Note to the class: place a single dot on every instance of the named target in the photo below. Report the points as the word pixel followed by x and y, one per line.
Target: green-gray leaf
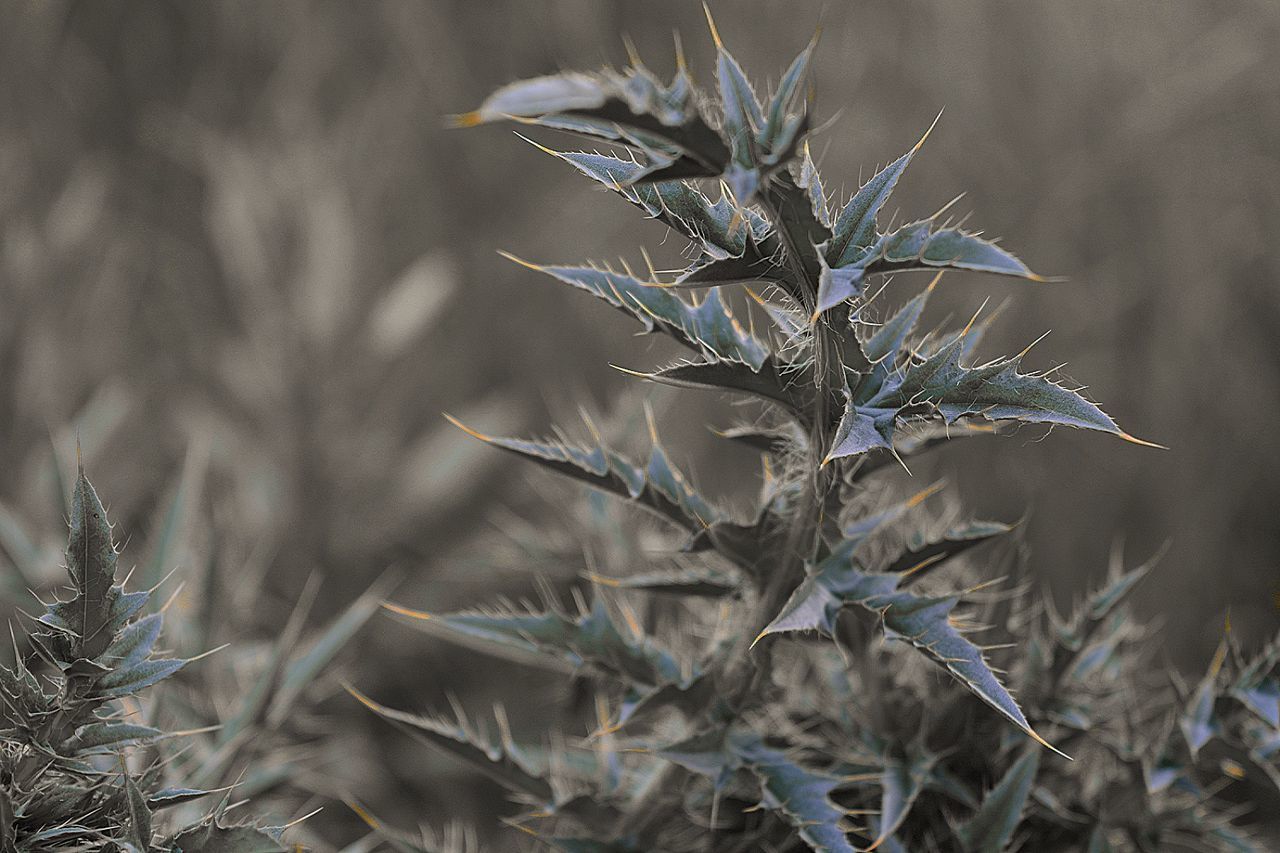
pixel 855 228
pixel 991 829
pixel 658 487
pixel 708 327
pixel 924 622
pixel 590 639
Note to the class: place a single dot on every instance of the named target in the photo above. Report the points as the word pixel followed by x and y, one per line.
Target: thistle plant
pixel 727 731
pixel 80 768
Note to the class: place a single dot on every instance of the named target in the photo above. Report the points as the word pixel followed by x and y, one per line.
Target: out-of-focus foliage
pixel 725 737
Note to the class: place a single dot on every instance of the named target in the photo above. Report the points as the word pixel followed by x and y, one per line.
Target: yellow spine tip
pixel 521 261
pixel 471 119
pixel 921 496
pixel 468 430
pixel 1135 440
pixel 360 811
pixel 1036 737
pixel 363 699
pixel 920 144
pixel 758 638
pixel 715 34
pixel 405 611
pixel 637 373
pixel 544 149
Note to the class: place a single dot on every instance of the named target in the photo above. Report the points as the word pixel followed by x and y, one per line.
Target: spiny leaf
pixel 97 736
pixel 916 247
pixel 139 812
pixel 702 583
pixel 590 639
pixel 212 837
pixel 743 119
pixel 658 487
pixel 169 797
pixel 679 204
pixel 924 622
pixel 134 643
pixel 924 557
pixel 837 285
pixel 854 230
pixel 708 753
pixel 766 383
pixel 126 681
pixel 939 384
pixel 763 439
pixel 500 762
pixel 1198 722
pixel 811 182
pixel 800 231
pixel 884 348
pixel 856 531
pixel 707 328
pixel 628 106
pixel 91 562
pixel 919 439
pixel 901 782
pixel 456 838
pixel 773 137
pixel 1100 603
pixel 1257 684
pixel 758 262
pixel 991 829
pixel 800 797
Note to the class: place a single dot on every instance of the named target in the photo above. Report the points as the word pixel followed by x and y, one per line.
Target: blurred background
pixel 243 259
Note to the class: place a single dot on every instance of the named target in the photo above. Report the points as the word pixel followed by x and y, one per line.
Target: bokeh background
pixel 238 241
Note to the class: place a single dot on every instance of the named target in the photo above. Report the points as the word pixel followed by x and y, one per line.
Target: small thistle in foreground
pixel 80 770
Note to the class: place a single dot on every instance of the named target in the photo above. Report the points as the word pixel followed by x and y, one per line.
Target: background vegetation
pixel 237 240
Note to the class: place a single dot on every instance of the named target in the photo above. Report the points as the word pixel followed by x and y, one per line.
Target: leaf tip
pixel 519 260
pixel 711 23
pixel 932 125
pixel 405 611
pixel 363 814
pixel 924 494
pixel 363 699
pixel 1038 739
pixel 471 119
pixel 639 374
pixel 1140 441
pixel 468 430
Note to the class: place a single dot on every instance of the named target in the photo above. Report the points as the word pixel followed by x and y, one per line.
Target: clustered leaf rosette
pixel 746 743
pixel 79 770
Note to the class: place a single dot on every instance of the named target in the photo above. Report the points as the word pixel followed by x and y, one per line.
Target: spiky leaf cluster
pixel 750 740
pixel 79 767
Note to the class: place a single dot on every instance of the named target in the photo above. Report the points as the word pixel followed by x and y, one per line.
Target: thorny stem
pixel 740 676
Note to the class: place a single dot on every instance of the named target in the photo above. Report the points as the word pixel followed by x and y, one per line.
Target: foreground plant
pixel 80 769
pixel 728 735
